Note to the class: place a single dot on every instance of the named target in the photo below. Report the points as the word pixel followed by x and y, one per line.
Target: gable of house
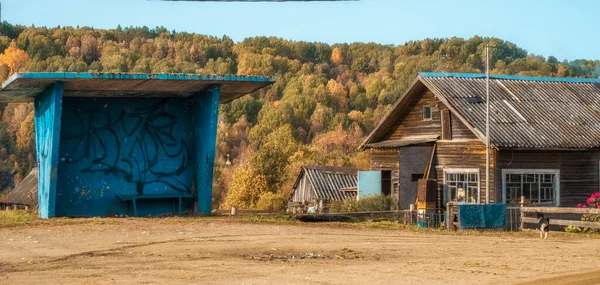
pixel 413 125
pixel 525 112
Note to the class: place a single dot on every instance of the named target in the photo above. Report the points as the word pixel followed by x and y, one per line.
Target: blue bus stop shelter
pixel 125 144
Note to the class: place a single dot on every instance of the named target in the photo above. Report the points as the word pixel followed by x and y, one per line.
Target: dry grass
pixel 22 218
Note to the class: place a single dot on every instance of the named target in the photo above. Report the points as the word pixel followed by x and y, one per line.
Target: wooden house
pixel 544 138
pixel 316 186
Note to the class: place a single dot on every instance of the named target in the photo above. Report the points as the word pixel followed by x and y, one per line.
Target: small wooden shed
pixel 316 186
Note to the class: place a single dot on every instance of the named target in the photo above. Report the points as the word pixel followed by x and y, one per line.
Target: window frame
pixel 430 113
pixel 556 173
pixel 462 171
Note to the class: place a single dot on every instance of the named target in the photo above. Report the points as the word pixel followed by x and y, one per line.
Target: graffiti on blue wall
pixel 137 145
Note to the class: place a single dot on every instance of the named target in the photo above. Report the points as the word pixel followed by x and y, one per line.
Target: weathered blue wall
pixel 205 119
pixel 119 146
pixel 47 137
pixel 369 183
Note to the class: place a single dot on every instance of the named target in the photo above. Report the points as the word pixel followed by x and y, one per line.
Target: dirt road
pixel 215 252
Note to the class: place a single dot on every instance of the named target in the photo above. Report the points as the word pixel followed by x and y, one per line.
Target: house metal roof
pixel 23 87
pixel 328 180
pixel 525 112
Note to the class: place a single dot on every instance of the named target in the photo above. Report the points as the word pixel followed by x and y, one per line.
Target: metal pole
pixel 487 125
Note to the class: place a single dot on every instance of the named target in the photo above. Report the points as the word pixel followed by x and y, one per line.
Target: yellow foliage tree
pixel 338 93
pixel 340 140
pixel 336 55
pixel 246 188
pixel 15 58
pixel 26 135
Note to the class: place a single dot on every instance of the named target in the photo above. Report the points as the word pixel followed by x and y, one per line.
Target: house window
pixel 415 177
pixel 462 185
pixel 426 113
pixel 538 186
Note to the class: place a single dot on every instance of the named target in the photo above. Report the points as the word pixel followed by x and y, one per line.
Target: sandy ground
pixel 216 252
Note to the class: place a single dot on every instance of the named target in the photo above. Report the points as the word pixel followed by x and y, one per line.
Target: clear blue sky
pixel 564 29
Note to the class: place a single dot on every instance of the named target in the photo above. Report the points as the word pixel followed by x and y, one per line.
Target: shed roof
pixel 525 112
pixel 328 180
pixel 26 192
pixel 23 87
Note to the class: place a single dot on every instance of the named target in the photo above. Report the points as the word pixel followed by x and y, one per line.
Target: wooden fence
pixel 513 218
pixel 561 213
pixel 13 206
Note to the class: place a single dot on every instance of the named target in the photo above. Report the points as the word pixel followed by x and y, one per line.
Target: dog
pixel 543 225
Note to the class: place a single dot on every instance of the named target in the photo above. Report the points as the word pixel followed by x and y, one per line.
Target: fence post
pixel 449 215
pixel 521 203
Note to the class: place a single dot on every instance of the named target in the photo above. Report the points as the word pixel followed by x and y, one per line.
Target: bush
pixel 375 203
pixel 592 202
pixel 344 206
pixel 269 201
pixel 367 204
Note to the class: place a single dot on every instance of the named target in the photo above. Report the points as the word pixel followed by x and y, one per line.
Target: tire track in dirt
pixel 581 278
pixel 51 263
pixel 10 267
pixel 31 265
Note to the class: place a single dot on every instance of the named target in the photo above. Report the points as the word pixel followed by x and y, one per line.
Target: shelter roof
pixel 23 87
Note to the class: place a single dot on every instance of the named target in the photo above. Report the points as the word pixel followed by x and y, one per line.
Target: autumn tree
pixel 246 188
pixel 336 56
pixel 16 59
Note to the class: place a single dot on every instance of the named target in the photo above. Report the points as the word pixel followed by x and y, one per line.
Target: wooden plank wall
pixel 463 154
pixel 460 131
pixel 412 124
pixel 579 170
pixel 387 159
pixel 304 191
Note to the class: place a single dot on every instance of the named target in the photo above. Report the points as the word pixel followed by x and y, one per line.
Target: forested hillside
pixel 326 100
